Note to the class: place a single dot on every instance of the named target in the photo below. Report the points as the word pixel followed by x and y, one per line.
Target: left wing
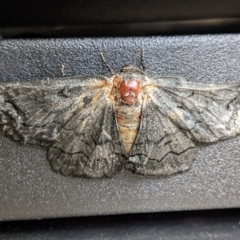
pixel 34 113
pixel 72 117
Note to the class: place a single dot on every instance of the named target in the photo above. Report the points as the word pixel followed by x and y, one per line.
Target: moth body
pixel 128 106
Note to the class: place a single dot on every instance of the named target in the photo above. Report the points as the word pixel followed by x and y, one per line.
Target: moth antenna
pixel 108 67
pixel 142 61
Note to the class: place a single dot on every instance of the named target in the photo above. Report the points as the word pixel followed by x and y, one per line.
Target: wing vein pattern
pixel 72 117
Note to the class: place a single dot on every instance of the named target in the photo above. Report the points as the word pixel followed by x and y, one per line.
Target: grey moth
pixel 97 126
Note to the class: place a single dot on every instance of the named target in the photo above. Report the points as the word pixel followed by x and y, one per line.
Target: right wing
pixel 205 112
pixel 176 115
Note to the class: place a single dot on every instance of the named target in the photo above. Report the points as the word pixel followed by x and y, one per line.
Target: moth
pixel 97 126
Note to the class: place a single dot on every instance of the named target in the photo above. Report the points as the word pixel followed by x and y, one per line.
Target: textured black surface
pixel 29 189
pixel 63 12
pixel 81 18
pixel 219 225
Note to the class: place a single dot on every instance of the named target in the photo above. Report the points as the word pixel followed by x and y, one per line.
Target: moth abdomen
pixel 128 119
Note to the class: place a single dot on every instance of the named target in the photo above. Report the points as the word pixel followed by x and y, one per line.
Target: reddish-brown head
pixel 129 91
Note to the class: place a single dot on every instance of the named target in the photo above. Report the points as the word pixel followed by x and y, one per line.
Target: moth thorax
pixel 129 90
pixel 128 119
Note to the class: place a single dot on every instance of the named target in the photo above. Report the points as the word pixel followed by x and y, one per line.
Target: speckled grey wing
pixel 161 148
pixel 176 115
pixel 89 144
pixel 35 112
pixel 205 112
pixel 42 113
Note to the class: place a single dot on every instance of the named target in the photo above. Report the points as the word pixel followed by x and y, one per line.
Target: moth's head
pixel 129 90
pixel 128 84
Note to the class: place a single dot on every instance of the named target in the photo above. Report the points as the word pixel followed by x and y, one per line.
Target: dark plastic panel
pixel 30 190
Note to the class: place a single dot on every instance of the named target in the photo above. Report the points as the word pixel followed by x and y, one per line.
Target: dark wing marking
pixel 204 112
pixel 45 112
pixel 161 148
